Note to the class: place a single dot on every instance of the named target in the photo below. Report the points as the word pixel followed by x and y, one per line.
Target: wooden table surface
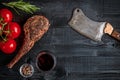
pixel 78 58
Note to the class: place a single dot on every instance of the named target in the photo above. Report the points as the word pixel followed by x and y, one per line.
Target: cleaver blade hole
pixel 78 10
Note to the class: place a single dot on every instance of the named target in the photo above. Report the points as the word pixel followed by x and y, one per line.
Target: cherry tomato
pixel 1 44
pixel 8 47
pixel 14 30
pixel 6 15
pixel 0 26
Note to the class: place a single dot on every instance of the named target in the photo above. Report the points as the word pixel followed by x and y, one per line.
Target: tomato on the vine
pixel 6 15
pixel 9 31
pixel 13 29
pixel 8 47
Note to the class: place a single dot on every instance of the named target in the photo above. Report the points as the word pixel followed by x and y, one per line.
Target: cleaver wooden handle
pixel 111 31
pixel 116 35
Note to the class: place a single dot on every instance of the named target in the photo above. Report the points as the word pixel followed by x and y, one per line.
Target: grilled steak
pixel 34 29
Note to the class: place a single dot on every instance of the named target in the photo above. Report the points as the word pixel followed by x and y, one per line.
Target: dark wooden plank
pixel 78 58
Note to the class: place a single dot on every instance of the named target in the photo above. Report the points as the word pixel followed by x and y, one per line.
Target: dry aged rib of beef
pixel 34 29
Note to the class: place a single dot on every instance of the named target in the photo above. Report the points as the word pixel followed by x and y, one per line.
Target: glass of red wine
pixel 45 61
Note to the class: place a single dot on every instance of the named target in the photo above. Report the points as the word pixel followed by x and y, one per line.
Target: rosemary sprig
pixel 24 6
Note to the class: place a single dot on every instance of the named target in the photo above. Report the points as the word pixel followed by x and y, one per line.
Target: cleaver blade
pixel 89 28
pixel 85 26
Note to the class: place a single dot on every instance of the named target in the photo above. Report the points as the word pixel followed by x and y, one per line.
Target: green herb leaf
pixel 24 6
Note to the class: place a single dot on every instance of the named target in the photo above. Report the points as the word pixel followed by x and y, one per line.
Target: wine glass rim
pixel 49 53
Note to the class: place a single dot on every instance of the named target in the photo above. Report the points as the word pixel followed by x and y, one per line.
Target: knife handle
pixel 116 35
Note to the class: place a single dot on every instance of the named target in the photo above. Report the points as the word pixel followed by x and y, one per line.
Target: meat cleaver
pixel 89 28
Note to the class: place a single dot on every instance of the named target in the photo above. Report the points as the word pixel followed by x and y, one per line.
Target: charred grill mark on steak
pixel 34 29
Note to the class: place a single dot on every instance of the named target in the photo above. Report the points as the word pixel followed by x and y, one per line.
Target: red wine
pixel 45 61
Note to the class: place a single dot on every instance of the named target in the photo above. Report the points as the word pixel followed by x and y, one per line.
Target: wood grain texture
pixel 78 58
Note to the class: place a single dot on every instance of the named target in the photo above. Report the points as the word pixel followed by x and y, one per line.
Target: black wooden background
pixel 78 58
